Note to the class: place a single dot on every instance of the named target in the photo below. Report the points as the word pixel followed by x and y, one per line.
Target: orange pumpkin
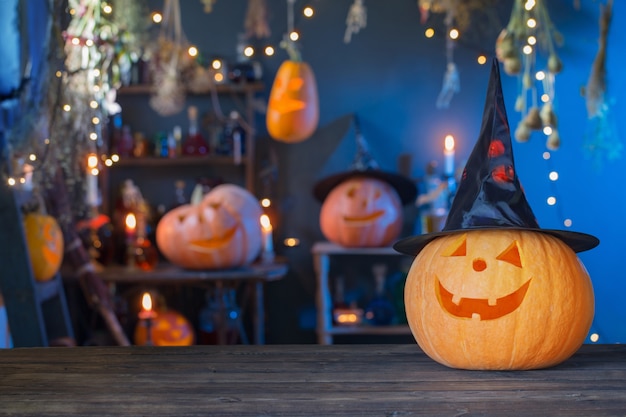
pixel 168 328
pixel 362 212
pixel 499 300
pixel 222 231
pixel 45 245
pixel 293 107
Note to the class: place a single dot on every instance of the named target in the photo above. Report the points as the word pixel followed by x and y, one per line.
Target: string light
pixel 269 50
pixel 294 36
pixel 482 59
pixel 308 11
pixel 429 33
pixel 248 51
pixel 454 33
pixel 157 17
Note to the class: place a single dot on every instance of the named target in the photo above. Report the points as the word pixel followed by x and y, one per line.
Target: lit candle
pixel 92 180
pixel 146 307
pixel 147 314
pixel 131 226
pixel 448 155
pixel 267 240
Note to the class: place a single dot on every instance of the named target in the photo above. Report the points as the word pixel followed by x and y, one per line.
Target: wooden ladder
pixel 37 311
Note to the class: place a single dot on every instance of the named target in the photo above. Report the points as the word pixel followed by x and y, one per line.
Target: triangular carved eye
pixel 511 255
pixel 457 248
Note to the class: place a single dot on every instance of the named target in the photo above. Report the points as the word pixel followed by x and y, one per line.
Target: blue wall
pixel 390 75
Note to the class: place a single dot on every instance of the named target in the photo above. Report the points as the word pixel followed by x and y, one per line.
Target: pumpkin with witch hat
pixel 493 290
pixel 362 207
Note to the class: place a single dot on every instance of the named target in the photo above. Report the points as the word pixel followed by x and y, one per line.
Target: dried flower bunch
pixel 530 30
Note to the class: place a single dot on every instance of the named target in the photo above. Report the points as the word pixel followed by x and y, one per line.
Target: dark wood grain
pixel 302 380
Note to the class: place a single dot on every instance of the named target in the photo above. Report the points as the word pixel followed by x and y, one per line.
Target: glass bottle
pixel 195 144
pixel 380 310
pixel 180 198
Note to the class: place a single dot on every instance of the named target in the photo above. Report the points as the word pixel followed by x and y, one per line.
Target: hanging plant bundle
pixel 169 61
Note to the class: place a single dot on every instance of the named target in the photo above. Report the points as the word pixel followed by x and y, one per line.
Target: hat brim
pixel 406 189
pixel 578 242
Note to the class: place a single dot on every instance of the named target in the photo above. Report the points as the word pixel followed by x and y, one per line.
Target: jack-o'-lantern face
pixel 491 306
pixel 168 328
pixel 362 212
pixel 498 299
pixel 222 231
pixel 293 106
pixel 45 245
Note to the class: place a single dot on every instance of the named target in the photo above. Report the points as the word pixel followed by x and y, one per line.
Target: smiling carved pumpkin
pixel 222 231
pixel 293 107
pixel 168 328
pixel 362 212
pixel 45 245
pixel 499 299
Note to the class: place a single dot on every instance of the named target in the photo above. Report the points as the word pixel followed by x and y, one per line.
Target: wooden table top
pixel 299 380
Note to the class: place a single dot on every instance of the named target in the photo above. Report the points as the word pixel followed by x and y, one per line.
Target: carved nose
pixel 479 265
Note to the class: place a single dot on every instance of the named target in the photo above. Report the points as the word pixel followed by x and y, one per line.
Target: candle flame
pixel 449 143
pixel 92 161
pixel 265 222
pixel 146 301
pixel 131 221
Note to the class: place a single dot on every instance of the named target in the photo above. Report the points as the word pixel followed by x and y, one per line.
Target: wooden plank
pixel 302 380
pixel 16 279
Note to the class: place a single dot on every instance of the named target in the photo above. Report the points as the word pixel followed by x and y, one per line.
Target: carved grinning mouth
pixel 208 245
pixel 363 219
pixel 480 307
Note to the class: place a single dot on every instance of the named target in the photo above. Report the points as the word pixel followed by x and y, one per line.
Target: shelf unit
pixel 326 329
pixel 241 93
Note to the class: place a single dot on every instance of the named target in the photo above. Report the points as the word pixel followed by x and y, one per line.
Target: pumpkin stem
pixel 291 48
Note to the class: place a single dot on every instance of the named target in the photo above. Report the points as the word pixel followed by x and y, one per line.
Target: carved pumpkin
pixel 293 107
pixel 362 212
pixel 499 299
pixel 168 328
pixel 45 245
pixel 222 231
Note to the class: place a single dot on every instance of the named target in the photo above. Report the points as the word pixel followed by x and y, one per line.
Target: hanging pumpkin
pixel 221 231
pixel 168 328
pixel 499 299
pixel 293 108
pixel 44 239
pixel 362 212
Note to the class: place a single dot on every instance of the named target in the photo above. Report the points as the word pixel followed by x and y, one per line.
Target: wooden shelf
pixel 178 161
pixel 326 329
pixel 243 88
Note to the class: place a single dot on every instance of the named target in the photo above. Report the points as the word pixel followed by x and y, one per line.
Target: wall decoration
pixel 529 31
pixel 601 138
pixel 169 62
pixel 356 20
pixel 293 106
pixel 256 23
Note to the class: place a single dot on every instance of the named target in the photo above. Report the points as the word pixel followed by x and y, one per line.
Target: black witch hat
pixel 365 166
pixel 489 195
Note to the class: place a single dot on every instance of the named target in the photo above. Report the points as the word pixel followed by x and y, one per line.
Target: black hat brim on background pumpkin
pixel 489 195
pixel 406 189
